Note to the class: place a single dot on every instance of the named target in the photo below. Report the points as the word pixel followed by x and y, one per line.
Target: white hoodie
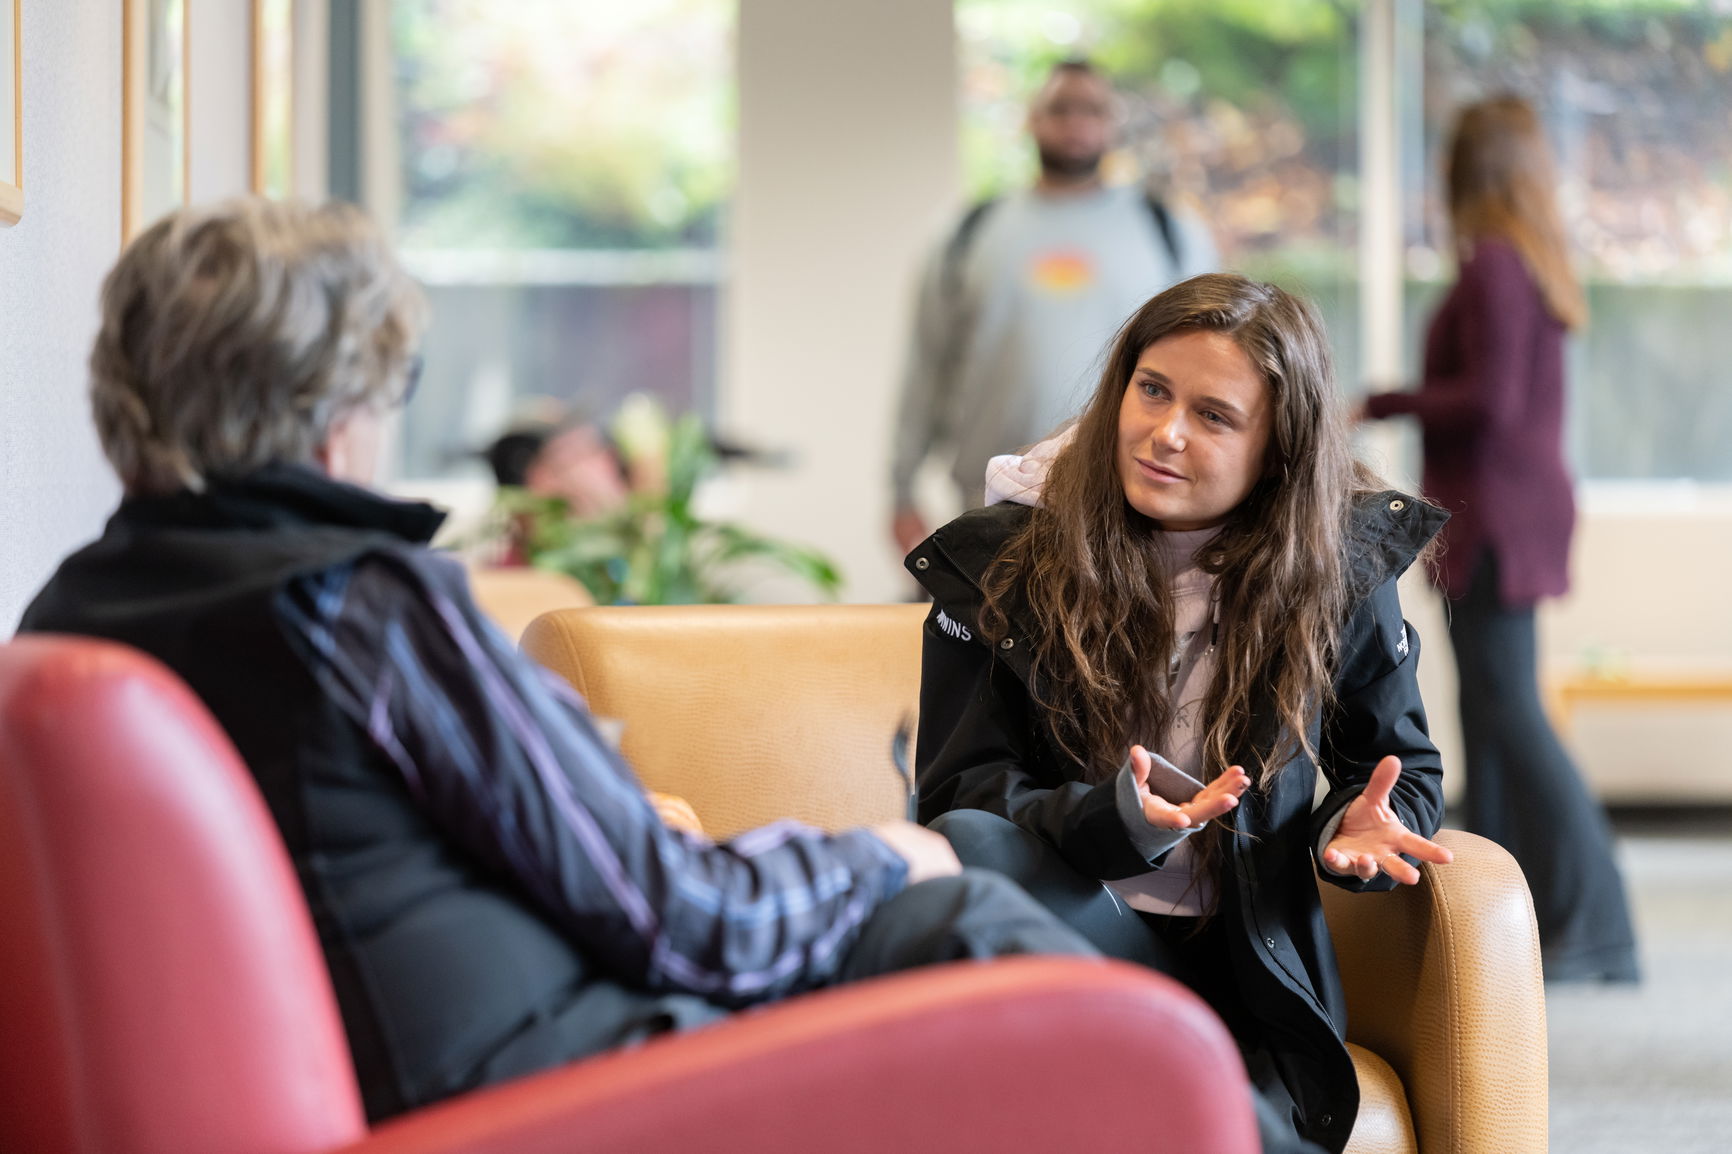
pixel 1018 478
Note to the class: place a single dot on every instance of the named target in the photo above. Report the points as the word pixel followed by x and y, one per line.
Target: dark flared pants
pixel 1524 792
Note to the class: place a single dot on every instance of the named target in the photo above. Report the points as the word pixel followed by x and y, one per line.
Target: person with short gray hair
pixel 493 891
pixel 243 335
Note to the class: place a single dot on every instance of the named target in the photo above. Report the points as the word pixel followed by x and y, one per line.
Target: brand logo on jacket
pixel 953 628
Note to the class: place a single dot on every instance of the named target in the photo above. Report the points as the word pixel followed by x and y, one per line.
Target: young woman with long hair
pixel 1491 404
pixel 1134 676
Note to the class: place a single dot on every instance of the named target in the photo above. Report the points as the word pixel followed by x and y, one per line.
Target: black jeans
pixel 1168 944
pixel 974 914
pixel 1524 792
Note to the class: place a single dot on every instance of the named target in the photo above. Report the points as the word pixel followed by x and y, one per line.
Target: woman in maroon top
pixel 1491 408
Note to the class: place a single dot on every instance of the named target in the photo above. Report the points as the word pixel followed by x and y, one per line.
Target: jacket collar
pixel 1386 532
pixel 282 497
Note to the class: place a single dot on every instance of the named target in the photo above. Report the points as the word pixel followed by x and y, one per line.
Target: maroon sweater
pixel 1492 410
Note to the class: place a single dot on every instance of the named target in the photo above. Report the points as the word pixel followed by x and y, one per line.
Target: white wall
pixel 55 488
pixel 1650 588
pixel 311 103
pixel 219 87
pixel 1651 583
pixel 847 169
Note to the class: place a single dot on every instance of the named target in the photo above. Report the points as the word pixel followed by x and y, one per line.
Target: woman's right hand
pixel 1211 801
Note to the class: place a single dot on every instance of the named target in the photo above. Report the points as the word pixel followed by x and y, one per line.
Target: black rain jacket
pixel 983 744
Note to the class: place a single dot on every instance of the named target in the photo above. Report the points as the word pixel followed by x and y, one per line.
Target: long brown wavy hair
pixel 1501 184
pixel 1087 568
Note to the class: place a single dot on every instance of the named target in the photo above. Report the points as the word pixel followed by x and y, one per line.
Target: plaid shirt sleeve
pixel 503 757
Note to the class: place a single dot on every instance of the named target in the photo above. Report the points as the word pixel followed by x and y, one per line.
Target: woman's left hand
pixel 1371 839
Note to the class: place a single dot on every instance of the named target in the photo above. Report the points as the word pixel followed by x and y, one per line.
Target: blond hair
pixel 234 335
pixel 1502 184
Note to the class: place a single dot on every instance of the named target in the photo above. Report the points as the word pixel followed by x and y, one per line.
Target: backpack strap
pixel 1168 230
pixel 956 250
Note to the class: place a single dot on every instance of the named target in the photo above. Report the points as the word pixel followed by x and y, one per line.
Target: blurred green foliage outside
pixel 563 124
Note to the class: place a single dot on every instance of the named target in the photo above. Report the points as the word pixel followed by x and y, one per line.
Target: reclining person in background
pixel 564 455
pixel 493 892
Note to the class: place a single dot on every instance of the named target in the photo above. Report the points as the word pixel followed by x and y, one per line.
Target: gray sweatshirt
pixel 1010 345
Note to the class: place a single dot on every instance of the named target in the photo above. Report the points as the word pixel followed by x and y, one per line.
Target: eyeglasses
pixel 411 380
pixel 899 758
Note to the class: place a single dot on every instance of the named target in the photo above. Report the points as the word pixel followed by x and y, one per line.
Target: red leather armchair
pixel 161 989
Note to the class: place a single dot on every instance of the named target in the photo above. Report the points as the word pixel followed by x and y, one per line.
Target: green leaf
pixel 655 550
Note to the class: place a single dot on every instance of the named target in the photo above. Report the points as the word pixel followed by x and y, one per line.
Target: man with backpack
pixel 1017 302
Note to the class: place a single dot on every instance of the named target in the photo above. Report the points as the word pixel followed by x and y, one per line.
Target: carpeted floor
pixel 1649 1068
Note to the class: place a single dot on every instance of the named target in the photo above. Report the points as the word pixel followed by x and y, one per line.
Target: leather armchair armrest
pixel 1020 1054
pixel 1443 982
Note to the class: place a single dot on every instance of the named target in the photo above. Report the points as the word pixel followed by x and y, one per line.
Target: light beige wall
pixel 1652 584
pixel 847 168
pixel 1650 588
pixel 219 84
pixel 312 30
pixel 221 78
pixel 55 488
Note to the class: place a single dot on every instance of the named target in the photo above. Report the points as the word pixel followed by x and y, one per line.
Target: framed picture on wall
pixel 154 105
pixel 273 136
pixel 11 113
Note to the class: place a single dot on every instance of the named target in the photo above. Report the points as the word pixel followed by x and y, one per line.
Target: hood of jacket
pixel 1387 531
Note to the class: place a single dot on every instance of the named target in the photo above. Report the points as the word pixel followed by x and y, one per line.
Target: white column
pixel 219 91
pixel 1380 255
pixel 381 175
pixel 310 65
pixel 847 171
pixel 1382 342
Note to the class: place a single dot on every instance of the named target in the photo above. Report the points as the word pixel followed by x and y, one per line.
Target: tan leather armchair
pixel 514 595
pixel 750 712
pixel 754 713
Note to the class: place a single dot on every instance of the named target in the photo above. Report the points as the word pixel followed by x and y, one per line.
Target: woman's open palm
pixel 1371 839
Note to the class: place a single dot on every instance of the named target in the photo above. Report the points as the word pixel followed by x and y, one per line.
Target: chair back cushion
pixel 514 595
pixel 161 987
pixel 751 712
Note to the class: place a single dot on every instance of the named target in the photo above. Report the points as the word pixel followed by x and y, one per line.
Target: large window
pixel 563 170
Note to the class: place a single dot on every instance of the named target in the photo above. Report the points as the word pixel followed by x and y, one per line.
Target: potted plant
pixel 654 547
